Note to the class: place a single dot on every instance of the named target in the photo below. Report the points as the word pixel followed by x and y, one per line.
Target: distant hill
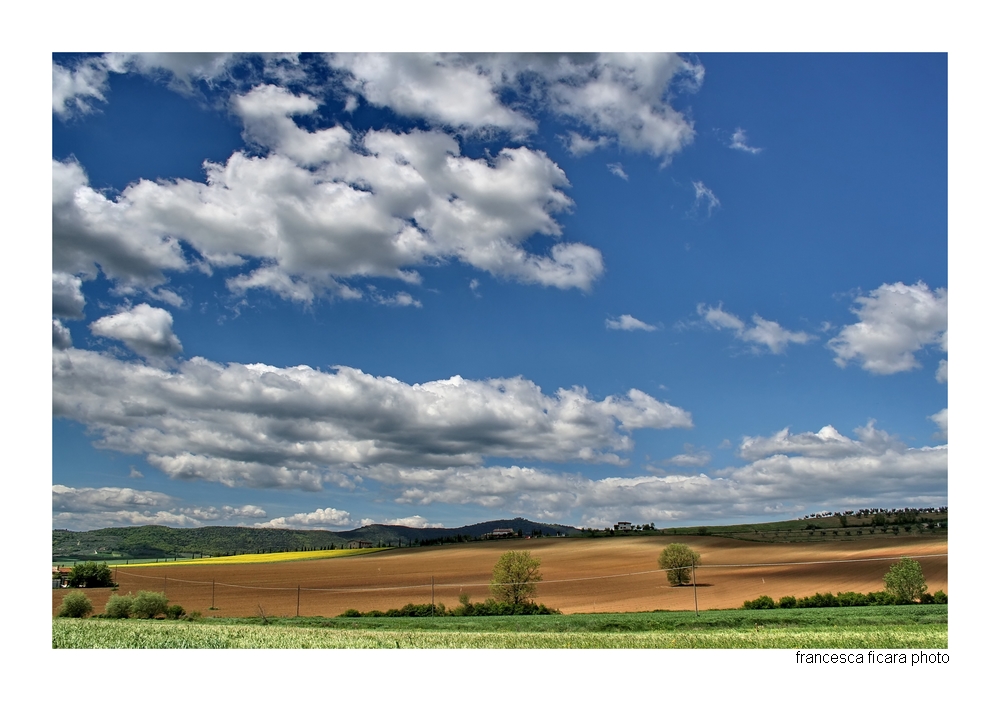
pixel 137 542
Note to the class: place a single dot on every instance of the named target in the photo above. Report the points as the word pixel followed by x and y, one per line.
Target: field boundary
pixel 355 590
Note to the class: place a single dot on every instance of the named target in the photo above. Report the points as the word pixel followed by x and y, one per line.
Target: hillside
pixel 140 542
pixel 161 541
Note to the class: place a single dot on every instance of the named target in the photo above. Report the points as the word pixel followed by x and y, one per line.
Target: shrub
pixel 940 597
pixel 880 598
pixel 787 602
pixel 149 604
pixel 818 600
pixel 851 598
pixel 491 607
pixel 75 605
pixel 119 606
pixel 761 602
pixel 174 612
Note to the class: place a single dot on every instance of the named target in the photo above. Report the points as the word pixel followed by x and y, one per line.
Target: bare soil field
pixel 580 575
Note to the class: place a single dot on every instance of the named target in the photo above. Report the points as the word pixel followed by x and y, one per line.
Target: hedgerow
pixel 849 598
pixel 490 607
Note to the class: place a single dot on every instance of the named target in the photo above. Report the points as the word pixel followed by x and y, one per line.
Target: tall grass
pixel 102 633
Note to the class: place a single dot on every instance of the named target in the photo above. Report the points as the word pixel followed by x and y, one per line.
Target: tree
pixel 678 560
pixel 514 577
pixel 905 580
pixel 91 574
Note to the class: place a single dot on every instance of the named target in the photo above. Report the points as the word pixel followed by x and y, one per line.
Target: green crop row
pixel 102 633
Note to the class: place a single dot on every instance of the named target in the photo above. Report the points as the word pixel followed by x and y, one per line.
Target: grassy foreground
pixel 890 627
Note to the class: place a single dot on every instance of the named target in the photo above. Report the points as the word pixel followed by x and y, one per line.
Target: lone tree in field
pixel 678 560
pixel 514 577
pixel 905 580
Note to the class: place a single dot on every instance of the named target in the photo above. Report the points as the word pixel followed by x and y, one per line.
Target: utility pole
pixel 694 578
pixel 213 594
pixel 298 598
pixel 432 595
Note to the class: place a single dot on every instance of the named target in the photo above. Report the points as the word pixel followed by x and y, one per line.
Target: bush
pixel 119 606
pixel 174 612
pixel 91 574
pixel 490 607
pixel 851 598
pixel 818 600
pixel 761 602
pixel 149 604
pixel 503 608
pixel 75 605
pixel 787 602
pixel 880 598
pixel 940 597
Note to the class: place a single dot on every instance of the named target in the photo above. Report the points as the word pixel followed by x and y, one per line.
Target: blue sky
pixel 319 291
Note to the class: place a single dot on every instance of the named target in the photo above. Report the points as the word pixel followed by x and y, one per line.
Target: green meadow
pixel 884 627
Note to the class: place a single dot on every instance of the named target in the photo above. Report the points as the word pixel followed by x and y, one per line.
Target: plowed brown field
pixel 580 575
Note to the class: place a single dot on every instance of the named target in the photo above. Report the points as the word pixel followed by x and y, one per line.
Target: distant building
pixel 623 526
pixel 501 533
pixel 60 577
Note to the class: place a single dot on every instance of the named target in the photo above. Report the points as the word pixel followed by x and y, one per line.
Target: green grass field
pixel 889 627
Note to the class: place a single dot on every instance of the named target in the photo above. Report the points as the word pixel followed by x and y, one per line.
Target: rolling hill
pixel 162 541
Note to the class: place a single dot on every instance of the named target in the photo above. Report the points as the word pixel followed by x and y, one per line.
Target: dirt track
pixel 580 575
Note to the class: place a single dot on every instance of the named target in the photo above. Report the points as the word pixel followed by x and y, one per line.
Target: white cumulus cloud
pixel 67 296
pixel 88 508
pixel 627 322
pixel 315 212
pixel 738 141
pixel 76 88
pixel 617 170
pixel 448 89
pixel 763 334
pixel 819 469
pixel 144 329
pixel 61 337
pixel 617 98
pixel 297 427
pixel 414 522
pixel 318 519
pixel 895 322
pixel 941 419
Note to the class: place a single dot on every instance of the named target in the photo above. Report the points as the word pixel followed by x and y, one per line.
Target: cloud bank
pixel 265 426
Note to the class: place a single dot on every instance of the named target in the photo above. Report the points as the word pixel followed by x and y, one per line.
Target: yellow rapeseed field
pixel 260 558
